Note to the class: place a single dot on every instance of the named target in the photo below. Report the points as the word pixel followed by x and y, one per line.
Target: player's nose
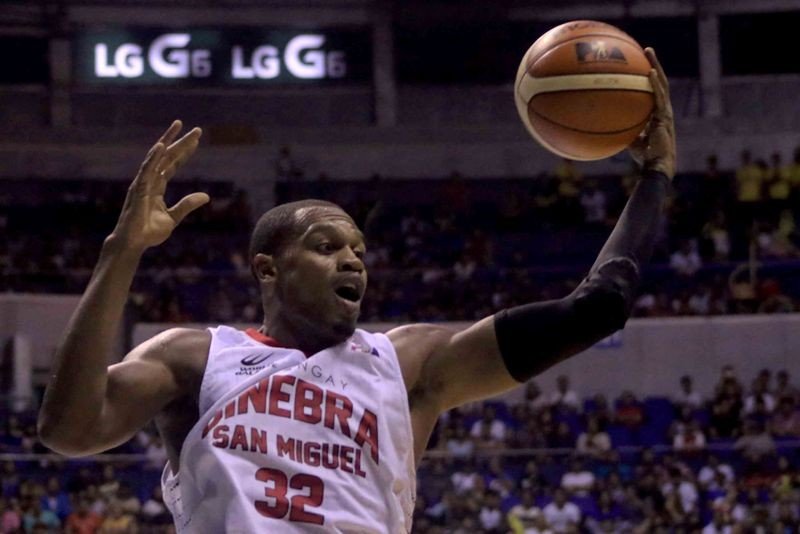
pixel 349 262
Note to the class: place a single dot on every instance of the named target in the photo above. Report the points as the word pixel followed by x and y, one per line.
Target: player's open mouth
pixel 348 293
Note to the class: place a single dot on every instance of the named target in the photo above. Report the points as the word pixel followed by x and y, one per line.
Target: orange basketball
pixel 582 90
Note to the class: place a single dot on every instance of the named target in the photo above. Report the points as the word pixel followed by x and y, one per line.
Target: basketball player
pixel 309 424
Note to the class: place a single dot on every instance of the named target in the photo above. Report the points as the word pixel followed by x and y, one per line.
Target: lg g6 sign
pixel 232 57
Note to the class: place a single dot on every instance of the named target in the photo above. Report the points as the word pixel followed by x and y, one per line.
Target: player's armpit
pixel 443 368
pixel 151 376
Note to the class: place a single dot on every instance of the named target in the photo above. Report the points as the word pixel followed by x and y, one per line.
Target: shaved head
pixel 282 224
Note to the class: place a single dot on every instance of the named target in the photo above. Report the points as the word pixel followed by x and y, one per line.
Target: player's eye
pixel 359 254
pixel 326 248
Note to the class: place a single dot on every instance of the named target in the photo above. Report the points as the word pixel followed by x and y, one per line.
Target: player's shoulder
pixel 420 334
pixel 179 340
pixel 175 347
pixel 414 344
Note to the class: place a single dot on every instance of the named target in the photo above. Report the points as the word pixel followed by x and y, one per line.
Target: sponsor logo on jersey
pixel 251 364
pixel 597 51
pixel 366 349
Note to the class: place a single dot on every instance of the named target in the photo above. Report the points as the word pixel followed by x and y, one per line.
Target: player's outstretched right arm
pixel 89 407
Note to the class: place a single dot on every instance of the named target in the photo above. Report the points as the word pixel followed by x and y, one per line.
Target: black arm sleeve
pixel 534 337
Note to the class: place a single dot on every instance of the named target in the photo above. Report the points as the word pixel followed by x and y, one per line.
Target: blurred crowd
pixel 449 249
pixel 721 459
pixel 722 463
pixel 80 496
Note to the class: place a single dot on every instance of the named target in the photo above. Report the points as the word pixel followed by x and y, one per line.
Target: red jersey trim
pixel 261 338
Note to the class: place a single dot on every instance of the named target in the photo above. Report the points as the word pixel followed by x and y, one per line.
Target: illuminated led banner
pixel 233 56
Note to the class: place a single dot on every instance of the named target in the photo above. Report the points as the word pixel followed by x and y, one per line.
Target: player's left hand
pixel 654 149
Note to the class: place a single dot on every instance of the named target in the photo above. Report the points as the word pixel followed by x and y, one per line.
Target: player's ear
pixel 264 267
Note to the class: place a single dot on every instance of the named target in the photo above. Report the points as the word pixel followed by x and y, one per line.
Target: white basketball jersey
pixel 289 443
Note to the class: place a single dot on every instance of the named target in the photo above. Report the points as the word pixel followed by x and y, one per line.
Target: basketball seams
pixel 639 125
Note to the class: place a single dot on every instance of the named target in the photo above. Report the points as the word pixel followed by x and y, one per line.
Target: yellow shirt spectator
pixel 569 179
pixel 749 179
pixel 780 184
pixel 794 171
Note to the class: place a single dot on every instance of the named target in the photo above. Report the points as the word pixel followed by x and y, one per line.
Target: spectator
pixel 565 398
pixel 786 515
pixel 459 443
pixel 83 520
pixel 690 439
pixel 466 479
pixel 489 431
pixel 718 525
pixel 129 502
pixel 491 517
pixel 715 186
pixel 532 479
pixel 464 268
pixel 629 411
pixel 81 480
pixel 527 434
pixel 97 503
pixel 784 387
pixel 540 526
pixel 11 519
pixel 563 437
pixel 785 421
pixel 762 382
pixel 601 410
pixel 9 478
pixel 687 396
pixel 109 485
pixel 569 186
pixel 154 511
pixel 562 515
pixel 499 479
pixel 728 379
pixel 285 167
pixel 779 186
pixel 593 442
pixel 756 444
pixel 117 521
pixel 749 191
pixel 438 479
pixel 759 520
pixel 578 480
pixel 56 500
pixel 156 453
pixel 759 394
pixel 709 472
pixel 725 412
pixel 773 243
pixel 523 517
pixel 593 201
pixel 785 480
pixel 717 238
pixel 681 486
pixel 534 398
pixel 37 517
pixel 606 517
pixel 685 261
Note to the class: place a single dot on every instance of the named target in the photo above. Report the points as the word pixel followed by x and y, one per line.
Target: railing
pixel 782 445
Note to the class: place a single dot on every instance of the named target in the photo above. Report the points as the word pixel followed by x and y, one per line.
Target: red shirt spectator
pixel 629 411
pixel 83 520
pixel 786 420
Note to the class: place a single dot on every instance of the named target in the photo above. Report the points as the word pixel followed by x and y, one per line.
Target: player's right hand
pixel 146 221
pixel 655 148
